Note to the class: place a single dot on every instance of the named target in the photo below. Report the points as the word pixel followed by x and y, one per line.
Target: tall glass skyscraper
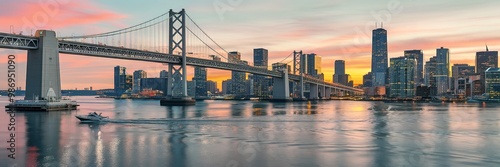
pixel 200 78
pixel 122 81
pixel 442 74
pixel 313 64
pixel 138 75
pixel 379 57
pixel 340 75
pixel 402 77
pixel 260 85
pixel 418 55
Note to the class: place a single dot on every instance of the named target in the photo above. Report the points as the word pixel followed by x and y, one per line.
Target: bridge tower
pixel 177 75
pixel 298 69
pixel 43 70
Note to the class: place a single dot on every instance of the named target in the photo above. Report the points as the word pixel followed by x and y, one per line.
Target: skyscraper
pixel 238 79
pixel 163 74
pixel 121 80
pixel 459 73
pixel 339 73
pixel 442 74
pixel 430 71
pixel 212 87
pixel 485 60
pixel 234 57
pixel 259 85
pixel 138 75
pixel 402 77
pixel 313 64
pixel 418 55
pixel 367 80
pixel 227 87
pixel 379 57
pixel 200 81
pixel 260 57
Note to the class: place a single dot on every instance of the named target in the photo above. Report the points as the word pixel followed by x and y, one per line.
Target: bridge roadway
pixel 12 41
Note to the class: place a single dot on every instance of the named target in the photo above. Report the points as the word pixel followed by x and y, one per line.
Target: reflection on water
pixel 250 133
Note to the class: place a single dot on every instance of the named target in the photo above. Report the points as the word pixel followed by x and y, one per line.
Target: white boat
pixel 92 117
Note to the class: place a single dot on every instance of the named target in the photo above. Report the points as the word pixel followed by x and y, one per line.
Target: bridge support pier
pixel 43 70
pixel 328 93
pixel 313 91
pixel 281 88
pixel 321 92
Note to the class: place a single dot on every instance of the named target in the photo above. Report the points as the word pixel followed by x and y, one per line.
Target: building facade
pixel 492 81
pixel 339 75
pixel 442 74
pixel 259 86
pixel 138 75
pixel 367 80
pixel 459 75
pixel 418 55
pixel 154 84
pixel 122 81
pixel 200 81
pixel 379 57
pixel 485 60
pixel 402 74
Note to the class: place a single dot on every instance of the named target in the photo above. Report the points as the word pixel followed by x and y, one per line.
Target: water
pixel 248 133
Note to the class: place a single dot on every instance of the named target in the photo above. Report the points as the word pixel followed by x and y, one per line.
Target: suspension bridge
pixel 173 38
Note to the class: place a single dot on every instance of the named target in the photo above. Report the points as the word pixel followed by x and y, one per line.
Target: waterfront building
pixel 402 76
pixel 259 86
pixel 418 55
pixel 485 60
pixel 492 83
pixel 138 75
pixel 459 75
pixel 442 74
pixel 200 78
pixel 379 57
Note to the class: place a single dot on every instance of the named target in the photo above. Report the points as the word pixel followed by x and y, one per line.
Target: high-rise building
pixel 238 79
pixel 492 80
pixel 163 74
pixel 313 64
pixel 259 86
pixel 418 55
pixel 442 74
pixel 379 57
pixel 339 73
pixel 402 77
pixel 234 57
pixel 485 60
pixel 138 74
pixel 122 81
pixel 430 70
pixel 260 57
pixel 212 87
pixel 200 80
pixel 459 75
pixel 227 87
pixel 367 80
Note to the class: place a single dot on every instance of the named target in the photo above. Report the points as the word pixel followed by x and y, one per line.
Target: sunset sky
pixel 333 29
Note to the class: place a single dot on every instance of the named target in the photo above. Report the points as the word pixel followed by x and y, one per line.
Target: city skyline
pixel 346 36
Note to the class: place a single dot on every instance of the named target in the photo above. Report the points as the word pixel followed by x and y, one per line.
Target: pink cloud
pixel 54 14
